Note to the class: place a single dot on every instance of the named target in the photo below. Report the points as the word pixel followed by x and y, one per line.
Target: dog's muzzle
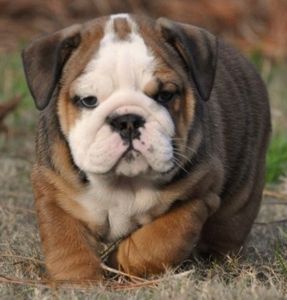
pixel 127 126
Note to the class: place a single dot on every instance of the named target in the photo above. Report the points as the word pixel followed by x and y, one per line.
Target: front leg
pixel 165 242
pixel 68 255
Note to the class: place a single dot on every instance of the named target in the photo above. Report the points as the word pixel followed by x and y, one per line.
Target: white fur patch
pixel 120 209
pixel 118 64
pixel 117 75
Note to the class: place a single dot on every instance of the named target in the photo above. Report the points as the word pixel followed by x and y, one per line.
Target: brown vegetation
pixel 5 109
pixel 251 25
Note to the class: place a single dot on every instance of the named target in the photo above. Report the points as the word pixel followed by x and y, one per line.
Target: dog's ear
pixel 198 50
pixel 44 60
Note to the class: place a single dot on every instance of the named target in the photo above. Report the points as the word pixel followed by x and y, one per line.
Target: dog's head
pixel 125 90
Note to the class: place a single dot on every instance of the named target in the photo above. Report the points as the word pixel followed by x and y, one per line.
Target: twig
pixel 35 260
pixel 79 285
pixel 110 248
pixel 9 106
pixel 141 281
pixel 6 279
pixel 73 284
pixel 183 274
pixel 271 222
pixel 274 202
pixel 17 208
pixel 147 283
pixel 114 271
pixel 131 286
pixel 15 194
pixel 274 194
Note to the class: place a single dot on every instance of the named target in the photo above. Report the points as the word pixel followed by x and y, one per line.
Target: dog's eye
pixel 164 96
pixel 88 102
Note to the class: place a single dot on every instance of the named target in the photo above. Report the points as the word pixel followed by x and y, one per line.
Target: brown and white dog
pixel 153 132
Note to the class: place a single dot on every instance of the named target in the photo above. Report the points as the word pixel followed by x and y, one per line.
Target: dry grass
pixel 259 272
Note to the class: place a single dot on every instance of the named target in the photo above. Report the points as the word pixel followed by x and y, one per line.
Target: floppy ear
pixel 44 60
pixel 198 50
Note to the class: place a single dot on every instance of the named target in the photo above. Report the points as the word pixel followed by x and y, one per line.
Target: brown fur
pixel 70 241
pixel 220 144
pixel 122 28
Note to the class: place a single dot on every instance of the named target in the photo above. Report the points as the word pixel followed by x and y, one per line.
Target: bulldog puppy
pixel 150 132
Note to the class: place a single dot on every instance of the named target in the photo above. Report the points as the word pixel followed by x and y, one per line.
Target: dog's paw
pixel 131 260
pixel 79 271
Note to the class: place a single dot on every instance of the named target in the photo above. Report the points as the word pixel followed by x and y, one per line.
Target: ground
pixel 259 271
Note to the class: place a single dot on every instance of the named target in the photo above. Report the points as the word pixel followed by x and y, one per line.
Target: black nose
pixel 127 125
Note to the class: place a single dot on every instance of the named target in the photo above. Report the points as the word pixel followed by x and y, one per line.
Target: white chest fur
pixel 118 208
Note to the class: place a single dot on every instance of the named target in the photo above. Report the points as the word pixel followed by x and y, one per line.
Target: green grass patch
pixel 12 80
pixel 277 158
pixel 12 83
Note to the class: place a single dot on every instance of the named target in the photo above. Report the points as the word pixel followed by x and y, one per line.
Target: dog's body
pixel 129 147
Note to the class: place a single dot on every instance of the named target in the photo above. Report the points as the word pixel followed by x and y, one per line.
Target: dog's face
pixel 127 99
pixel 123 126
pixel 128 91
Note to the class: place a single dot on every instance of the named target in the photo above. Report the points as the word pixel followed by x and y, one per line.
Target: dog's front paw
pixel 133 259
pixel 163 243
pixel 79 267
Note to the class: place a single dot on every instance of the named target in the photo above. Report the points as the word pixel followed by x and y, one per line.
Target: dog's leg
pixel 67 252
pixel 165 242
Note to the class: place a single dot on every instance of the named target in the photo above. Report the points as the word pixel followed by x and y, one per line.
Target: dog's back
pixel 240 99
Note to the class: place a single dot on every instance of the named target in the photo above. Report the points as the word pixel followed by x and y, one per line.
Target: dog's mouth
pixel 131 163
pixel 130 154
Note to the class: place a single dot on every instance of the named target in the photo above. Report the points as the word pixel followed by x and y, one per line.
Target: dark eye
pixel 164 96
pixel 88 102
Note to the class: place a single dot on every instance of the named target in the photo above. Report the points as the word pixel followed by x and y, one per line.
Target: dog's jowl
pixel 151 133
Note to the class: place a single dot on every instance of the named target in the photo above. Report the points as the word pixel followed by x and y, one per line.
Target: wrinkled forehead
pixel 122 60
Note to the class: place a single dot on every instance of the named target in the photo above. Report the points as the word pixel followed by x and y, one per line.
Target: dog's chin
pixel 131 165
